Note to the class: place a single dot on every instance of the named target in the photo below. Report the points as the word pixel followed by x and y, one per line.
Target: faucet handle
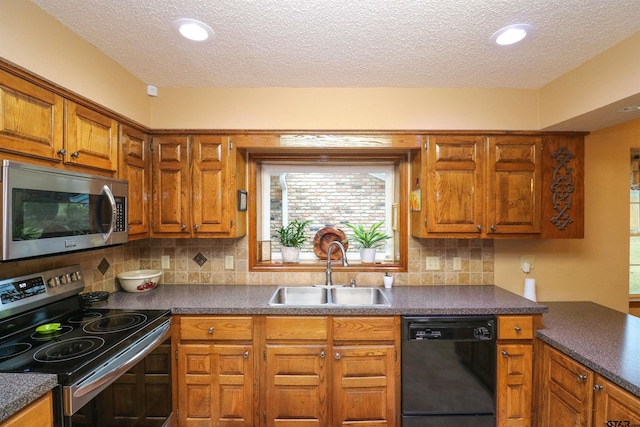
pixel 353 283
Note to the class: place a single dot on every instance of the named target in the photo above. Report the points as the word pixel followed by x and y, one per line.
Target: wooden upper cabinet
pixel 31 119
pixel 454 194
pixel 514 178
pixel 92 139
pixel 170 213
pixel 135 167
pixel 195 180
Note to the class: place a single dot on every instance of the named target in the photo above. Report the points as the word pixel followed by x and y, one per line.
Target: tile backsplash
pixel 185 255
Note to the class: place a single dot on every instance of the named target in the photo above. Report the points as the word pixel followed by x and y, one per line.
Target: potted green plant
pixel 387 279
pixel 291 238
pixel 368 240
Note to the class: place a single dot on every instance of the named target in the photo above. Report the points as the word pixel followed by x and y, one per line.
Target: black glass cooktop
pixel 86 338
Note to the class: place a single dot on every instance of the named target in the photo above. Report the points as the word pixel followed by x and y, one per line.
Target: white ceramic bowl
pixel 139 280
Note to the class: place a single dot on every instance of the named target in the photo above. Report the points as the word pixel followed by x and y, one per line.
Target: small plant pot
pixel 290 254
pixel 368 255
pixel 388 281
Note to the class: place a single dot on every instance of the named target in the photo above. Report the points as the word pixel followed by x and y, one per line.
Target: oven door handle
pixel 78 395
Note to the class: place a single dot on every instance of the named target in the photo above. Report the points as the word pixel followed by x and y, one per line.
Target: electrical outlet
pixel 527 258
pixel 433 263
pixel 166 261
pixel 457 263
pixel 228 262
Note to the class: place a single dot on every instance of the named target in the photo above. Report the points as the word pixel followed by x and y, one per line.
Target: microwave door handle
pixel 112 201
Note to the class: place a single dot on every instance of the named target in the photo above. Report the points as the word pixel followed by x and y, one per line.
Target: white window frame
pixel 268 169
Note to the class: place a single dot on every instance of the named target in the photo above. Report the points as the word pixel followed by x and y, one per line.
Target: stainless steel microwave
pixel 47 211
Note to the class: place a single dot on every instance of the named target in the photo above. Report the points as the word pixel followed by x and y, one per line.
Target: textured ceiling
pixel 349 43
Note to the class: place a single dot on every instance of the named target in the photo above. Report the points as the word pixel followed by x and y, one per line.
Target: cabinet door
pixel 364 385
pixel 566 391
pixel 31 119
pixel 171 211
pixel 38 414
pixel 215 385
pixel 136 168
pixel 296 389
pixel 514 177
pixel 514 385
pixel 454 200
pixel 91 139
pixel 210 184
pixel 614 406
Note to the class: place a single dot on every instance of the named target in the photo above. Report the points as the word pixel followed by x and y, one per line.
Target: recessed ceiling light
pixel 629 109
pixel 193 30
pixel 511 34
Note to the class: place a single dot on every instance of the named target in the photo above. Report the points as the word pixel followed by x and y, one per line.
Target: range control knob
pixel 53 282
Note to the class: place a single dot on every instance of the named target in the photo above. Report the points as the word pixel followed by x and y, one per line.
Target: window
pixel 634 226
pixel 328 190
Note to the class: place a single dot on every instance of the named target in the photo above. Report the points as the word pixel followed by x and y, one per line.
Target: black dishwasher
pixel 448 371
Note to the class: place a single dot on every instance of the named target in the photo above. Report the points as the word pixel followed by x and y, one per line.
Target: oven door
pixel 132 389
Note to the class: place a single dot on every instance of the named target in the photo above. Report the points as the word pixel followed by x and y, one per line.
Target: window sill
pixel 321 266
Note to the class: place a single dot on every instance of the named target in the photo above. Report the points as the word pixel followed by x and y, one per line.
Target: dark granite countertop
pixel 604 340
pixel 20 390
pixel 253 299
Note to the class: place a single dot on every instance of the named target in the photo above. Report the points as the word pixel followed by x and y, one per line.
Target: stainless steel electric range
pixel 113 366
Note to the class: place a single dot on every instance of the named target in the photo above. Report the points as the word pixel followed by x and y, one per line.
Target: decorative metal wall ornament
pixel 562 188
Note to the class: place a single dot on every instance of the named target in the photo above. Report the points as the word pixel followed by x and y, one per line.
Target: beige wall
pixel 33 40
pixel 595 268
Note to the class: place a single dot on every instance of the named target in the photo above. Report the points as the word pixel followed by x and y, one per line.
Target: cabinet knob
pixel 479 228
pixel 322 354
pixel 61 152
pixel 183 227
pixel 195 227
pixel 597 387
pixel 518 329
pixel 211 330
pixel 246 354
pixel 505 354
pixel 75 154
pixel 337 356
pixel 492 228
pixel 582 377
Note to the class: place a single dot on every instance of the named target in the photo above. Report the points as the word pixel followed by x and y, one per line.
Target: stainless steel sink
pixel 299 295
pixel 319 296
pixel 359 296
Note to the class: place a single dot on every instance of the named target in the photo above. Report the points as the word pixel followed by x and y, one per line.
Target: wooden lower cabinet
pixel 572 395
pixel 514 384
pixel 38 414
pixel 315 380
pixel 215 371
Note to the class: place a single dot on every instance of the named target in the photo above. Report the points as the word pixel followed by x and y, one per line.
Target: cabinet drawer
pixel 515 327
pixel 296 327
pixel 212 328
pixel 364 329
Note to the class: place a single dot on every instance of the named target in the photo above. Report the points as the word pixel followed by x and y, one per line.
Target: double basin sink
pixel 334 296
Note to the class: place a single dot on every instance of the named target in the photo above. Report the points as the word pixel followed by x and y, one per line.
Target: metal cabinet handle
pixel 61 152
pixel 75 154
pixel 505 354
pixel 597 387
pixel 492 228
pixel 246 354
pixel 479 228
pixel 337 356
pixel 211 329
pixel 582 377
pixel 183 227
pixel 322 354
pixel 518 329
pixel 195 227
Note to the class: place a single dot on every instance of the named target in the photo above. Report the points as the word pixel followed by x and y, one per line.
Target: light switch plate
pixel 166 261
pixel 228 262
